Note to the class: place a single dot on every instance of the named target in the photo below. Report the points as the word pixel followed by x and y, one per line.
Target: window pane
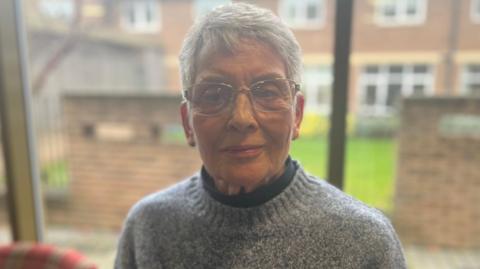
pixel 474 69
pixel 419 69
pixel 312 11
pixel 412 6
pixel 395 69
pixel 474 89
pixel 389 11
pixel 418 90
pixel 394 93
pixel 371 95
pixel 371 69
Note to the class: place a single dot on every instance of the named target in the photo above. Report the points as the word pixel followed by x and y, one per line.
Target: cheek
pixel 279 131
pixel 207 132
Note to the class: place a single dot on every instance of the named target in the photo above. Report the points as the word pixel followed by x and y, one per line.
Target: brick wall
pixel 437 199
pixel 119 151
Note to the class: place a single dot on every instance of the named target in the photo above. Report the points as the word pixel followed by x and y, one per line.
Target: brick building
pixel 416 47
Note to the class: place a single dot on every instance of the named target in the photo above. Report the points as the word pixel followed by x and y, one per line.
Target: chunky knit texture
pixel 311 224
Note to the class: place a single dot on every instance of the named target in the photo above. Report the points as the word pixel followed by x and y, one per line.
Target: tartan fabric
pixel 41 256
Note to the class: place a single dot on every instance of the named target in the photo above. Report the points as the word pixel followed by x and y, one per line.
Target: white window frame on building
pixel 142 16
pixel 399 13
pixel 475 10
pixel 297 13
pixel 471 78
pixel 317 87
pixel 201 7
pixel 58 9
pixel 377 81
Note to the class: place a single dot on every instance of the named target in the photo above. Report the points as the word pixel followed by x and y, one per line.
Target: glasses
pixel 210 98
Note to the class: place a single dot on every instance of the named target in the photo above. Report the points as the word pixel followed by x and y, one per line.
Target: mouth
pixel 243 151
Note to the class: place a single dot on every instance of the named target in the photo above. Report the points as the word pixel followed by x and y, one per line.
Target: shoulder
pixel 349 222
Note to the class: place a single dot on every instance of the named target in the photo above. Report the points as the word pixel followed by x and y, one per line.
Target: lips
pixel 243 151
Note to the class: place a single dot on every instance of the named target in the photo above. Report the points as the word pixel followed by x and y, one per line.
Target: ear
pixel 299 106
pixel 187 128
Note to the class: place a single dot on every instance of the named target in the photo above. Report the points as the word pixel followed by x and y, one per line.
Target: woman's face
pixel 243 147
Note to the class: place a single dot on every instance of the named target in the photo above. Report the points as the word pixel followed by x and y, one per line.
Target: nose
pixel 242 117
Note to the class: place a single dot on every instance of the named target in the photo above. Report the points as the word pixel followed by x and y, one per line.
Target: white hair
pixel 225 26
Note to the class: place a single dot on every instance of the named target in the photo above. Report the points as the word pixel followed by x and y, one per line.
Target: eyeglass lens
pixel 268 95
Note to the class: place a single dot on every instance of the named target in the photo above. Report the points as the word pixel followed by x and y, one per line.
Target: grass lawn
pixel 370 167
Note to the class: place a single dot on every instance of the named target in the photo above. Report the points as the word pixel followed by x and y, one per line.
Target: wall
pixel 437 199
pixel 119 151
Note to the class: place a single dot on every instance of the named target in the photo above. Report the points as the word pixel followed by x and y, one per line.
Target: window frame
pixel 311 90
pixel 140 7
pixel 467 79
pixel 65 11
pixel 199 10
pixel 401 19
pixel 303 22
pixel 383 78
pixel 475 11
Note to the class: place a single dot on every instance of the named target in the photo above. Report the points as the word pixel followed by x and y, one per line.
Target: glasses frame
pixel 294 88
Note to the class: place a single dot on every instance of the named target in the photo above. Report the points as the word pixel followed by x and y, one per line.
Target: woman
pixel 251 205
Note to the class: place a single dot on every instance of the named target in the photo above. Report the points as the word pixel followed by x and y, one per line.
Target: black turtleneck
pixel 255 198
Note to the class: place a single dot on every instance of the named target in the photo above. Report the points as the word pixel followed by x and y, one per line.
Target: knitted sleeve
pixel 384 248
pixel 125 258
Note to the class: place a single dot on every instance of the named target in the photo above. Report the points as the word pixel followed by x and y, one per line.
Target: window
pixel 471 79
pixel 475 10
pixel 204 6
pixel 382 86
pixel 317 84
pixel 400 12
pixel 141 15
pixel 303 14
pixel 60 9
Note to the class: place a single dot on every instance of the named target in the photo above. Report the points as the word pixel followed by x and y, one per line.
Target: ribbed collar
pixel 256 197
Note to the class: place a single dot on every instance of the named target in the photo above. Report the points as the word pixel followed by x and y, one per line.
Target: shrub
pixel 315 125
pixel 376 127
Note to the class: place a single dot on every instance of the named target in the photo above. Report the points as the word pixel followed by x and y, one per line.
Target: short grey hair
pixel 223 28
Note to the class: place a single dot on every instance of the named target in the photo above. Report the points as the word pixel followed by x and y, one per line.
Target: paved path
pixel 99 246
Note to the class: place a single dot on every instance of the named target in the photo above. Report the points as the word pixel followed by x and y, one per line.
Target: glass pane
pixel 393 95
pixel 371 69
pixel 419 69
pixel 474 69
pixel 312 11
pixel 474 89
pixel 105 128
pixel 371 96
pixel 398 152
pixel 395 69
pixel 418 90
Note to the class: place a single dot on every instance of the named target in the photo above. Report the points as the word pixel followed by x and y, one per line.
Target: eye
pixel 211 93
pixel 266 90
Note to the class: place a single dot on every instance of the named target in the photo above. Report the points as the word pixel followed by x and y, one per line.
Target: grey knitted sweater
pixel 310 224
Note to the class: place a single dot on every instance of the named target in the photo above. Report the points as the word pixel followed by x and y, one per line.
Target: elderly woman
pixel 251 205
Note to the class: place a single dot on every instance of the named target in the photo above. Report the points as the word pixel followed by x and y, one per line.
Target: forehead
pixel 247 61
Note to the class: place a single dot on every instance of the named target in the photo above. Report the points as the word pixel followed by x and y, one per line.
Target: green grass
pixel 370 166
pixel 55 174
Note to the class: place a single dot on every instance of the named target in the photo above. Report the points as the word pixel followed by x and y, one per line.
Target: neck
pixel 234 189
